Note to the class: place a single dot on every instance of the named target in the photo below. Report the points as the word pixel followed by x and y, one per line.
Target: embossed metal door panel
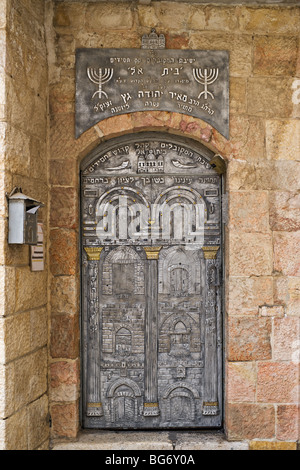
pixel 151 234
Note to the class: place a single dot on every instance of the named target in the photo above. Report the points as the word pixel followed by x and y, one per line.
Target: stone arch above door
pixel 161 121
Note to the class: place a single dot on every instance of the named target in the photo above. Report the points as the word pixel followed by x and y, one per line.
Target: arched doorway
pixel 151 235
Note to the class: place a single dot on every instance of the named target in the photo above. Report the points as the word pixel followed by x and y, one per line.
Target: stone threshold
pixel 149 440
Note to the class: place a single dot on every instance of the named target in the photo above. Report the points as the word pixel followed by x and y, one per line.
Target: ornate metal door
pixel 151 285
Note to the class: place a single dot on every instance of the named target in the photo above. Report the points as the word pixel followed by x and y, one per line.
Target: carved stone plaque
pixel 119 81
pixel 151 285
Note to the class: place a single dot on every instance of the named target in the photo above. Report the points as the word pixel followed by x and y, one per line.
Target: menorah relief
pixel 207 77
pixel 100 77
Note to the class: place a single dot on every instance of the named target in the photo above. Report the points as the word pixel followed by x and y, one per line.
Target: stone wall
pixel 23 298
pixel 262 181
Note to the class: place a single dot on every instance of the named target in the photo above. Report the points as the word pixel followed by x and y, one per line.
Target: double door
pixel 151 286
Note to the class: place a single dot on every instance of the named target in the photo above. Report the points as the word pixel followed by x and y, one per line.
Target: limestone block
pixel 2 72
pixel 275 55
pixel 62 139
pixel 177 41
pixel 111 39
pixel 7 390
pixel 3 142
pixel 245 294
pixel 17 255
pixel 64 295
pixel 286 247
pixel 270 97
pixel 172 18
pixel 38 428
pixel 5 187
pixel 36 72
pixel 35 188
pixel 249 211
pixel 293 305
pixel 23 24
pixel 31 377
pixel 286 339
pixel 249 338
pixel 147 16
pixel 65 420
pixel 287 292
pixel 63 207
pixel 3 107
pixel 44 446
pixel 284 211
pixel 250 254
pixel 13 254
pixel 206 441
pixel 68 15
pixel 283 139
pixel 27 111
pixel 115 125
pixel 62 95
pixel 263 175
pixel 38 328
pixel 31 289
pixel 3 236
pixel 246 139
pixel 3 13
pixel 277 382
pixel 7 290
pixel 38 120
pixel 287 422
pixel 267 20
pixel 238 45
pixel 63 252
pixel 221 18
pixel 35 7
pixel 64 336
pixel 196 128
pixel 274 175
pixel 241 382
pixel 17 151
pixel 13 436
pixel 280 290
pixel 250 421
pixel 3 60
pixel 272 445
pixel 14 61
pixel 64 381
pixel 63 172
pixel 15 336
pixel 150 120
pixel 38 159
pixel 65 53
pixel 237 93
pixel 108 16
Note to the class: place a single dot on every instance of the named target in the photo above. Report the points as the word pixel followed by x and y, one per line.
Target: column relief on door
pixel 151 234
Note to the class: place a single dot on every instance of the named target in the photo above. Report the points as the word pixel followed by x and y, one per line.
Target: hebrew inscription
pixel 151 285
pixel 118 81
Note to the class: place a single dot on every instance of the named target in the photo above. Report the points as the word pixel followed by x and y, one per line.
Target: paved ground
pixel 130 440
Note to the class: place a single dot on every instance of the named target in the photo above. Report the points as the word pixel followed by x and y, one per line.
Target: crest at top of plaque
pixel 153 41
